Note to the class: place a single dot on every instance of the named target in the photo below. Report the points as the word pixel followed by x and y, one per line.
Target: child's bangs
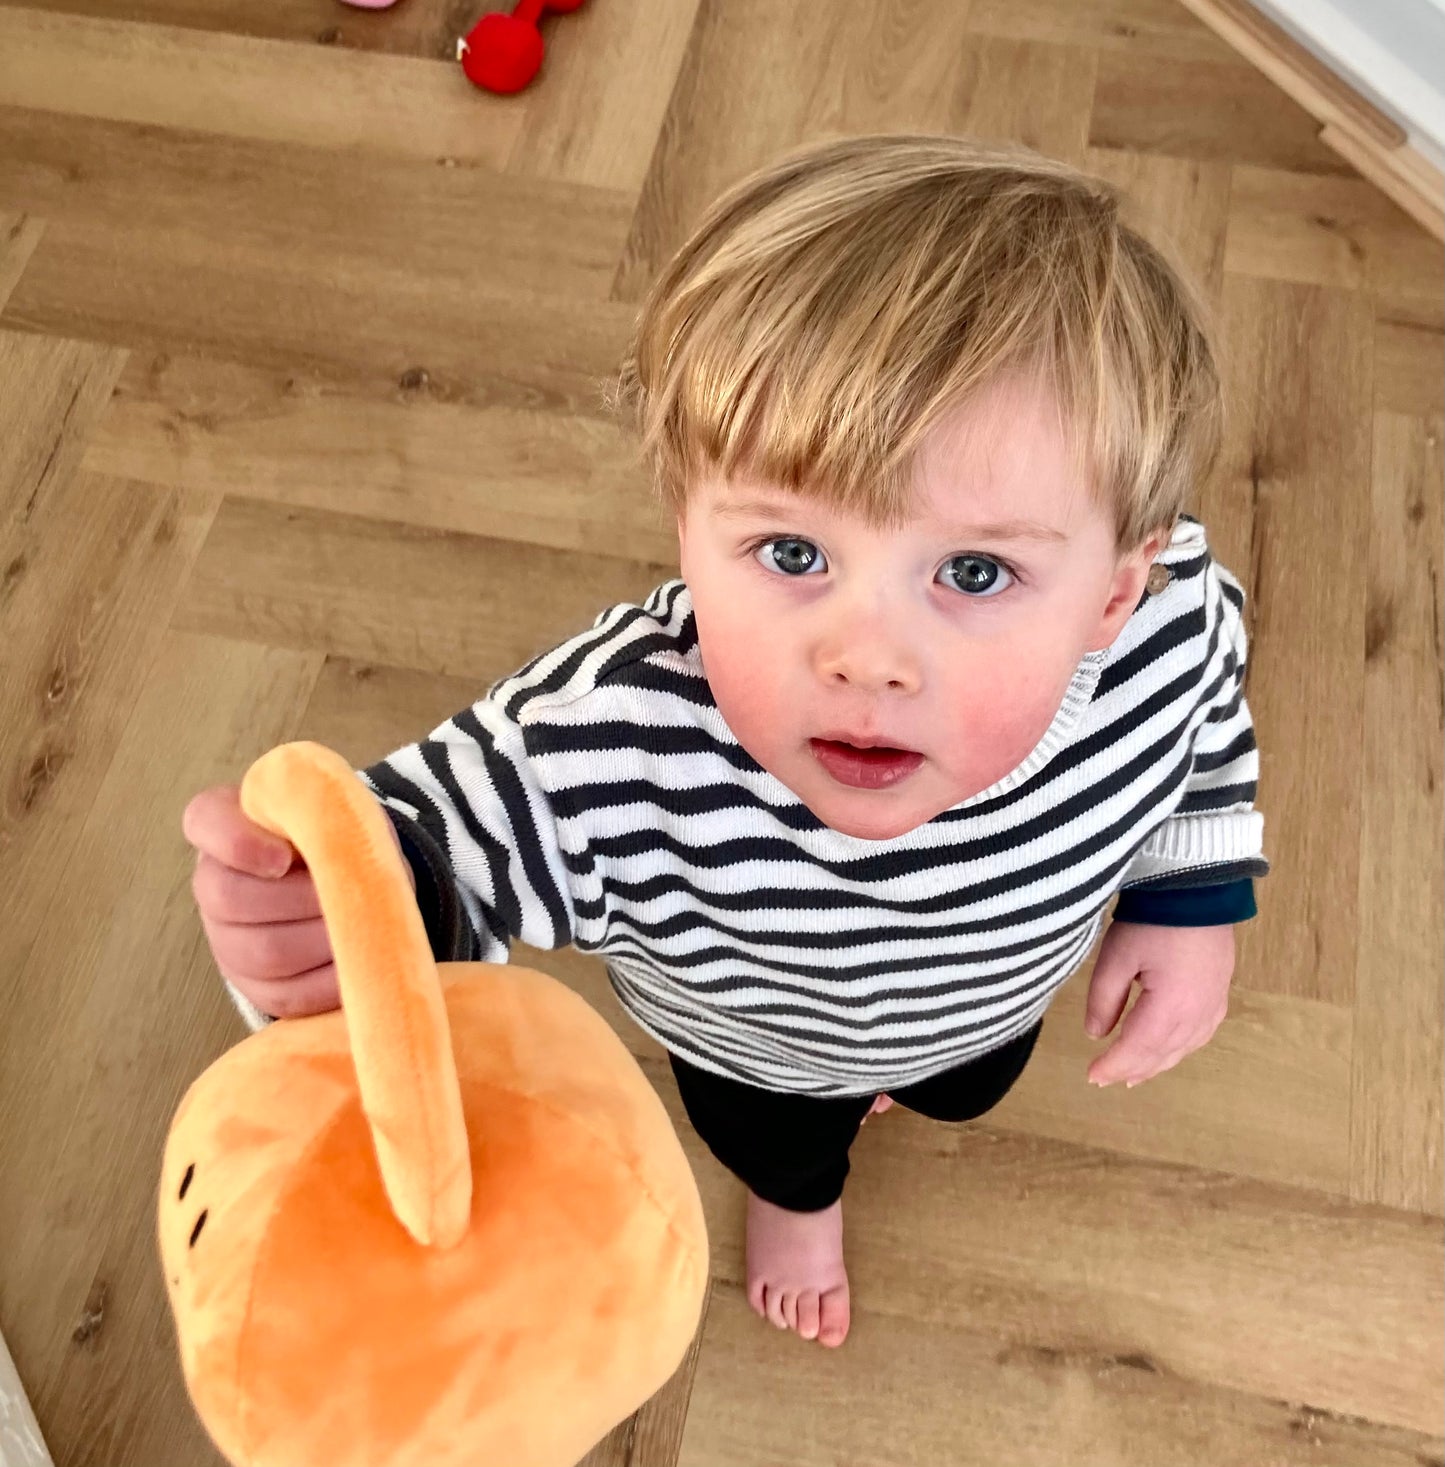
pixel 829 310
pixel 832 399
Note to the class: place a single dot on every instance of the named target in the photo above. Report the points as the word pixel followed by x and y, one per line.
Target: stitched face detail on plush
pixel 355 1279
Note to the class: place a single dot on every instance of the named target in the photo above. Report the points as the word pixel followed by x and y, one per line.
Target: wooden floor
pixel 301 436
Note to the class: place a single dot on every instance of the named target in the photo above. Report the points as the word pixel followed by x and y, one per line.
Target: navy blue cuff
pixel 1189 906
pixel 447 928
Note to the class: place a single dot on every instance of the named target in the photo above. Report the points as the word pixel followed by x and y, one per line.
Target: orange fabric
pixel 384 967
pixel 313 1325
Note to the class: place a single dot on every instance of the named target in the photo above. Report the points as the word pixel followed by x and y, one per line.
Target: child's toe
pixel 834 1311
pixel 808 1314
pixel 755 1298
pixel 773 1305
pixel 790 1309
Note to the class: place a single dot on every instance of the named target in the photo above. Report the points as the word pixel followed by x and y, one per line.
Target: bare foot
pixel 883 1102
pixel 796 1277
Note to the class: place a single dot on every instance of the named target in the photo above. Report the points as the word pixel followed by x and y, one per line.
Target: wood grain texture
pixel 303 344
pixel 1396 1132
pixel 350 101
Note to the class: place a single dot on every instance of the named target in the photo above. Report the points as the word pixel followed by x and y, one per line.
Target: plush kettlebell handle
pixel 390 994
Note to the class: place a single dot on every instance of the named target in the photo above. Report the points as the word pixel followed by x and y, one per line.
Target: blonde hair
pixel 829 308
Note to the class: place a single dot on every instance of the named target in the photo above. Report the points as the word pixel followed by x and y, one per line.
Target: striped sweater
pixel 596 798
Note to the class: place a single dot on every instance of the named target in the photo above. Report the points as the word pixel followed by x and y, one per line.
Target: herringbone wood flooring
pixel 301 436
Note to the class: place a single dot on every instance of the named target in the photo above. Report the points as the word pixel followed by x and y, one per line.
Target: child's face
pixel 922 639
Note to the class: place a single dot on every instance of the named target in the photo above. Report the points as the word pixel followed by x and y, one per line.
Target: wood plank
pixel 19 234
pixel 538 476
pixel 1287 514
pixel 950 1391
pixel 1286 1301
pixel 291 219
pixel 90 585
pixel 1206 1111
pixel 418 28
pixel 1399 1067
pixel 326 97
pixel 1404 175
pixel 459 605
pixel 123 1006
pixel 758 79
pixel 593 112
pixel 1296 70
pixel 1409 368
pixel 1029 92
pixel 1214 111
pixel 1181 205
pixel 1137 27
pixel 888 68
pixel 212 335
pixel 77 563
pixel 1340 232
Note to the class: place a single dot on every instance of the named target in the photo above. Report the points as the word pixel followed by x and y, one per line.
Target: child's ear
pixel 1130 576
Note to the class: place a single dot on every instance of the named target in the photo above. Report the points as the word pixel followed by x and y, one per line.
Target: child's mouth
pixel 866 769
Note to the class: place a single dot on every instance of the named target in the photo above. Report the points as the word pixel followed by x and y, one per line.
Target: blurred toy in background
pixel 502 52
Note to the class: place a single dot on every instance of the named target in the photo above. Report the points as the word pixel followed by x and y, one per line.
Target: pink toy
pixel 501 53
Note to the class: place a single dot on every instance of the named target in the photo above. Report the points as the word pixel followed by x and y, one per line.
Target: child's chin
pixel 882 824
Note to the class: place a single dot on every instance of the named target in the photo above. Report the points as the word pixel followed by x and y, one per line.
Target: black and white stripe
pixel 597 798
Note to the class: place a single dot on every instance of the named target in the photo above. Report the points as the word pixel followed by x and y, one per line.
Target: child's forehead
pixel 1000 462
pixel 739 502
pixel 950 500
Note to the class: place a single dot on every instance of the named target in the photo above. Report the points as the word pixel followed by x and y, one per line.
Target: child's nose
pixel 872 661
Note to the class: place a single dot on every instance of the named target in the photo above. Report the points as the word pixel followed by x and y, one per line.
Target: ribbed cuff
pixel 1209 839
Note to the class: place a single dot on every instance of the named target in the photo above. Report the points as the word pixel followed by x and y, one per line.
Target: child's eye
pixel 980 574
pixel 794 557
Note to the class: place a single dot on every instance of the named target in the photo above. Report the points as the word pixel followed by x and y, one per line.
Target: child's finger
pixel 1108 993
pixel 274 951
pixel 214 823
pixel 1146 1036
pixel 1165 1063
pixel 224 894
pixel 291 998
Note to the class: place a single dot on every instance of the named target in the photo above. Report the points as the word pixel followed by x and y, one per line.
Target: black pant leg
pixel 791 1150
pixel 968 1090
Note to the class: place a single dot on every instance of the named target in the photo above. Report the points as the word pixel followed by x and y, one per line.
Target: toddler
pixel 946 671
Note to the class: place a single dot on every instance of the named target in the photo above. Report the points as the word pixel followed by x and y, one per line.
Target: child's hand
pixel 1184 973
pixel 262 917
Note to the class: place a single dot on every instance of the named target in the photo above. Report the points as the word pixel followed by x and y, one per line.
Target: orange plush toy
pixel 449 1223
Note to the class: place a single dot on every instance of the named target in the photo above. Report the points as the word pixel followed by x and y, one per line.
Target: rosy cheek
pixel 742 689
pixel 997 731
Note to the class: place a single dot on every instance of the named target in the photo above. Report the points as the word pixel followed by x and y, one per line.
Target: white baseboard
pixel 1391 51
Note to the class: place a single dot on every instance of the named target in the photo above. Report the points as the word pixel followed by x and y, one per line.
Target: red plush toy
pixel 501 53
